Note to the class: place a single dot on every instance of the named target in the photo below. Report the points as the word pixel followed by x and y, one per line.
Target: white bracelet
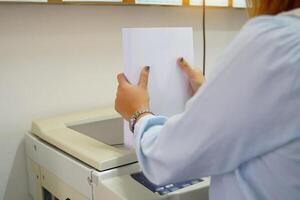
pixel 133 119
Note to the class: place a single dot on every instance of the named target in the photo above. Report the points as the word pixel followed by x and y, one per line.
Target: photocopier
pixel 81 156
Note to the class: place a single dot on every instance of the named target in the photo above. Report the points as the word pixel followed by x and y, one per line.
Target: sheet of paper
pixel 159 48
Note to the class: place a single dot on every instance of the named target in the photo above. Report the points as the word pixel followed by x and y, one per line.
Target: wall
pixel 56 59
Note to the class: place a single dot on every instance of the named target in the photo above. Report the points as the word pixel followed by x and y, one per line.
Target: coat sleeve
pixel 249 108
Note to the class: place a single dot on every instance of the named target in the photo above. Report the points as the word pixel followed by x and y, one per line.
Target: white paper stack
pixel 159 48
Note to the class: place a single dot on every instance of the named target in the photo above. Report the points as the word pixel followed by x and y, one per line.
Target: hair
pixel 270 7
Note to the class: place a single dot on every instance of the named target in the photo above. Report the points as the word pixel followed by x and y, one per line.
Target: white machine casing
pixel 80 156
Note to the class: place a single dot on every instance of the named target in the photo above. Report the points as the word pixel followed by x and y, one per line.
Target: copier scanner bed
pixel 80 156
pixel 78 135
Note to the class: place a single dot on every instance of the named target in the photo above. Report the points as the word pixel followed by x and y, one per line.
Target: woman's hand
pixel 132 98
pixel 195 76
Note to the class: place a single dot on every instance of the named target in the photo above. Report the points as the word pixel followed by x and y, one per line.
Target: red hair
pixel 271 7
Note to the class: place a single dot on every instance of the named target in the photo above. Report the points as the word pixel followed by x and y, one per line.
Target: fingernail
pixel 147 68
pixel 181 59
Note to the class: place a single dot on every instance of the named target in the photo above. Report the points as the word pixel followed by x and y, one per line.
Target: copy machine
pixel 80 156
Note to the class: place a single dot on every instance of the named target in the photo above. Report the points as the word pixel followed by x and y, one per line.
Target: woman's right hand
pixel 195 76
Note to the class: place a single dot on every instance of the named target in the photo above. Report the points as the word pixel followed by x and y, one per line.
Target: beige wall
pixel 56 59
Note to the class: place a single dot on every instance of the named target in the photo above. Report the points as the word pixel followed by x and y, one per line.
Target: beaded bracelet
pixel 135 116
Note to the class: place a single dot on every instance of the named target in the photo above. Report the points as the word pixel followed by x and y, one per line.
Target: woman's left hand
pixel 132 98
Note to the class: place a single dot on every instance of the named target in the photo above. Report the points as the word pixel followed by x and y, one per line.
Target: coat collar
pixel 295 12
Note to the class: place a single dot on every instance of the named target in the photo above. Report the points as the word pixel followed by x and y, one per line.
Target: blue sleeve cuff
pixel 147 122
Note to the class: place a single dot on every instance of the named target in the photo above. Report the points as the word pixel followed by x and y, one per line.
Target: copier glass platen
pixel 80 156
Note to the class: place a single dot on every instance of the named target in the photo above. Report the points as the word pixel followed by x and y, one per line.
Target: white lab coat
pixel 243 126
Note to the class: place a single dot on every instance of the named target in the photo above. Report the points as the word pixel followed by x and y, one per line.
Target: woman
pixel 242 127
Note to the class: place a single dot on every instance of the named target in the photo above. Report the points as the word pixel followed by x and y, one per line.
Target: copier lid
pixel 94 137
